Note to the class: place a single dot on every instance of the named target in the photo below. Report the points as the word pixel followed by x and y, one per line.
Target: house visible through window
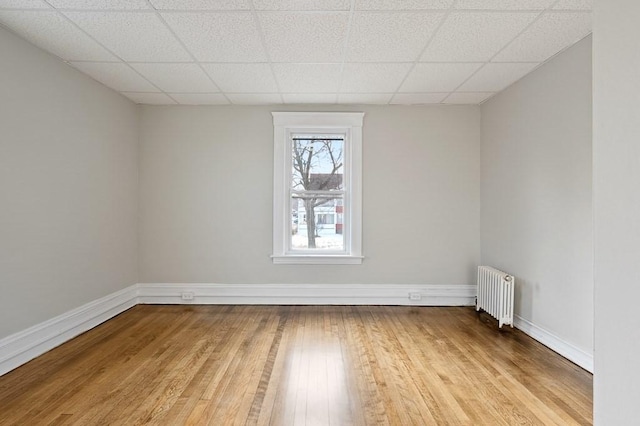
pixel 317 187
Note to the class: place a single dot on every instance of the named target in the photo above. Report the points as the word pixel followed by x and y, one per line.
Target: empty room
pixel 320 212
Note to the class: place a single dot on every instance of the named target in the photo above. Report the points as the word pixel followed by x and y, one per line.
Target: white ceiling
pixel 302 51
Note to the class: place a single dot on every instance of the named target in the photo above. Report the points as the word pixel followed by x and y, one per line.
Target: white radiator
pixel 495 294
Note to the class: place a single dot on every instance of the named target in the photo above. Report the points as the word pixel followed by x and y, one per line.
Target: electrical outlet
pixel 186 295
pixel 415 296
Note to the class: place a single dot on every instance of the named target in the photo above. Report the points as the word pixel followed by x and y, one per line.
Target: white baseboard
pixel 308 294
pixel 21 347
pixel 555 343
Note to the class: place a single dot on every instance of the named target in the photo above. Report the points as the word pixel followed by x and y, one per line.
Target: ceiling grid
pixel 220 52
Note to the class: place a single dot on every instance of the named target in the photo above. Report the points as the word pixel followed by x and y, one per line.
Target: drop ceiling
pixel 219 52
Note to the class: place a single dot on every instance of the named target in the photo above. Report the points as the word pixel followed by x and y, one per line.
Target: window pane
pixel 316 222
pixel 317 162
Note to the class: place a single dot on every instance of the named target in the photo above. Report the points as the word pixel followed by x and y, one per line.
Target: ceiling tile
pixel 132 36
pixel 417 98
pixel 302 4
pixel 254 98
pixel 181 78
pixel 239 78
pixel 390 36
pixel 475 36
pixel 219 37
pixel 495 77
pixel 201 4
pixel 149 98
pixel 468 98
pixel 200 98
pixel 373 78
pixel 574 5
pixel 305 41
pixel 52 32
pixel 100 4
pixel 314 98
pixel 305 37
pixel 402 4
pixel 504 4
pixel 117 76
pixel 23 4
pixel 547 36
pixel 307 78
pixel 438 77
pixel 365 98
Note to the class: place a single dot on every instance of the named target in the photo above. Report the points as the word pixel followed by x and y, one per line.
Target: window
pixel 317 189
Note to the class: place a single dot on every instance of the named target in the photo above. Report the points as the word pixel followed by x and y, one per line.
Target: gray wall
pixel 206 188
pixel 536 219
pixel 68 188
pixel 616 186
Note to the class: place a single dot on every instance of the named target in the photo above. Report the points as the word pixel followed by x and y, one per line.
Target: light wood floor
pixel 313 365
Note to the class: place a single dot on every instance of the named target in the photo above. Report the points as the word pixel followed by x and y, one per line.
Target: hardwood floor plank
pixel 366 402
pixel 391 358
pixel 262 399
pixel 220 391
pixel 434 387
pixel 290 365
pixel 283 386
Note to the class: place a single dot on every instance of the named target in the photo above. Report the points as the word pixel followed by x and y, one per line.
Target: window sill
pixel 317 260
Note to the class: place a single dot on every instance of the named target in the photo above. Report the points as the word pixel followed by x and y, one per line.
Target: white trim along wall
pixel 21 347
pixel 571 352
pixel 308 294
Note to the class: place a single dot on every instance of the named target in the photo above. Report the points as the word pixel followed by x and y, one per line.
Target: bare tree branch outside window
pixel 317 172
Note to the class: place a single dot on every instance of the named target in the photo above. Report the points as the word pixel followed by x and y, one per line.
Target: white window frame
pixel 347 123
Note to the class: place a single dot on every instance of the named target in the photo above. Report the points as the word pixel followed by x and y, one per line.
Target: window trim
pixel 285 123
